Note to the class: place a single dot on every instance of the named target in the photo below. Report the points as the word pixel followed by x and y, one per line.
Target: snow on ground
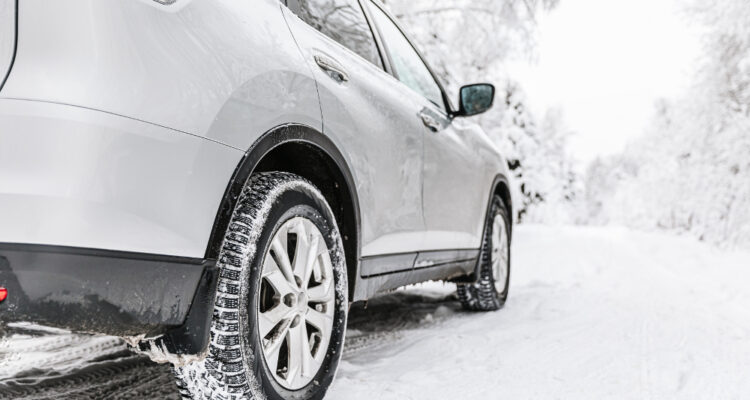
pixel 593 313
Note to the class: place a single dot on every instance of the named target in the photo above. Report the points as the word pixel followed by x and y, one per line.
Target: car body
pixel 128 128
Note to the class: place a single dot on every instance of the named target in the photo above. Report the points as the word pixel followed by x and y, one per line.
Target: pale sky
pixel 605 62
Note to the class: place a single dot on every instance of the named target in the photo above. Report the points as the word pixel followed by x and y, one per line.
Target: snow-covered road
pixel 593 313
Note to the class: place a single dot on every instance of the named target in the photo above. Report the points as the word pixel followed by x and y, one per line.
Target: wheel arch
pixel 501 188
pixel 301 150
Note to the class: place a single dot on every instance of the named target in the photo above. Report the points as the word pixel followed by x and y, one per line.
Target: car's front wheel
pixel 490 290
pixel 278 325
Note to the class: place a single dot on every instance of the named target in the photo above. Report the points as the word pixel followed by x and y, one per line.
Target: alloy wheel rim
pixel 499 255
pixel 296 304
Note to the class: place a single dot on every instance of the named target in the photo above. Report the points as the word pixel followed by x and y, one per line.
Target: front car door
pixel 456 182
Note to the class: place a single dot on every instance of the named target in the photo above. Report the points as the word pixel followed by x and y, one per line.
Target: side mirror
pixel 475 99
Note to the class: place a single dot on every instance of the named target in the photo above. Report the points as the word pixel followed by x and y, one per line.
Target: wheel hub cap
pixel 296 304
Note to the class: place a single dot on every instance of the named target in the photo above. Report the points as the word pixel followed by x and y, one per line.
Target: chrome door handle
pixel 430 122
pixel 332 68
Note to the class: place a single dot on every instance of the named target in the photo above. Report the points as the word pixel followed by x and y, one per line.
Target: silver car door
pixel 372 119
pixel 454 177
pixel 457 182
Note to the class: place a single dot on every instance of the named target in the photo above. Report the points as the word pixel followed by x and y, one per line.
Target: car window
pixel 406 63
pixel 341 20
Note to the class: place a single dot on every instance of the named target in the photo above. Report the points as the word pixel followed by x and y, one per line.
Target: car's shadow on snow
pixel 72 366
pixel 389 316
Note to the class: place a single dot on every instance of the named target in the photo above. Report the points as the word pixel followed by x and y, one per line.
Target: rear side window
pixel 341 20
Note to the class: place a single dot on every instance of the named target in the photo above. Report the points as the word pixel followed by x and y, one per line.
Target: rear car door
pixel 454 179
pixel 372 119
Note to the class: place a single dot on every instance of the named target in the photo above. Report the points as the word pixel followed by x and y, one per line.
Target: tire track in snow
pixel 41 364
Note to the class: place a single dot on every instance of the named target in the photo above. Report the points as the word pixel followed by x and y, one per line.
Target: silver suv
pixel 217 180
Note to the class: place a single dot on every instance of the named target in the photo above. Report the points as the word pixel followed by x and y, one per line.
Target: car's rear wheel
pixel 490 290
pixel 278 326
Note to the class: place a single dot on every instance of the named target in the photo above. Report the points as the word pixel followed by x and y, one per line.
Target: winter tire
pixel 491 289
pixel 278 324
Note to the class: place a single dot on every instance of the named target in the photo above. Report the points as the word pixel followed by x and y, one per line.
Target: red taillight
pixel 3 293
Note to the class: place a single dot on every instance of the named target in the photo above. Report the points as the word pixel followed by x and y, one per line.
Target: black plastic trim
pixel 389 271
pixel 369 286
pixel 384 56
pixel 91 290
pixel 193 336
pixel 429 259
pixel 385 264
pixel 15 51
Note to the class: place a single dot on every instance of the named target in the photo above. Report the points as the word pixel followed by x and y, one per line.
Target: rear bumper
pixel 105 222
pixel 71 176
pixel 116 293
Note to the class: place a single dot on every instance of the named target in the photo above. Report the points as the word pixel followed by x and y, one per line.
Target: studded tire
pixel 484 295
pixel 235 366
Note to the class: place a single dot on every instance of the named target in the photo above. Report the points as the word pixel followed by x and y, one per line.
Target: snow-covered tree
pixel 466 40
pixel 546 185
pixel 690 172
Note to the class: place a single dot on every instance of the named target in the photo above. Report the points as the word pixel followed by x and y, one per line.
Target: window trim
pixel 447 108
pixel 375 37
pixel 384 65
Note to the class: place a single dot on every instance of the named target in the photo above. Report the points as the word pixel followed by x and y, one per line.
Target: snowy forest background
pixel 689 171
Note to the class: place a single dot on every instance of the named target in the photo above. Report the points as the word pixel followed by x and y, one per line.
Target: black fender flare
pixel 260 148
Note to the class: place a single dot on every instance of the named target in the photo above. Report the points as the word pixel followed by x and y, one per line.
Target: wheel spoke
pixel 319 266
pixel 301 251
pixel 322 293
pixel 295 354
pixel 275 277
pixel 279 249
pixel 271 353
pixel 310 260
pixel 272 346
pixel 497 229
pixel 320 320
pixel 325 268
pixel 309 365
pixel 270 319
pixel 504 253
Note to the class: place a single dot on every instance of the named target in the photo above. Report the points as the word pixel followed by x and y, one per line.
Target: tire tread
pixel 482 295
pixel 224 374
